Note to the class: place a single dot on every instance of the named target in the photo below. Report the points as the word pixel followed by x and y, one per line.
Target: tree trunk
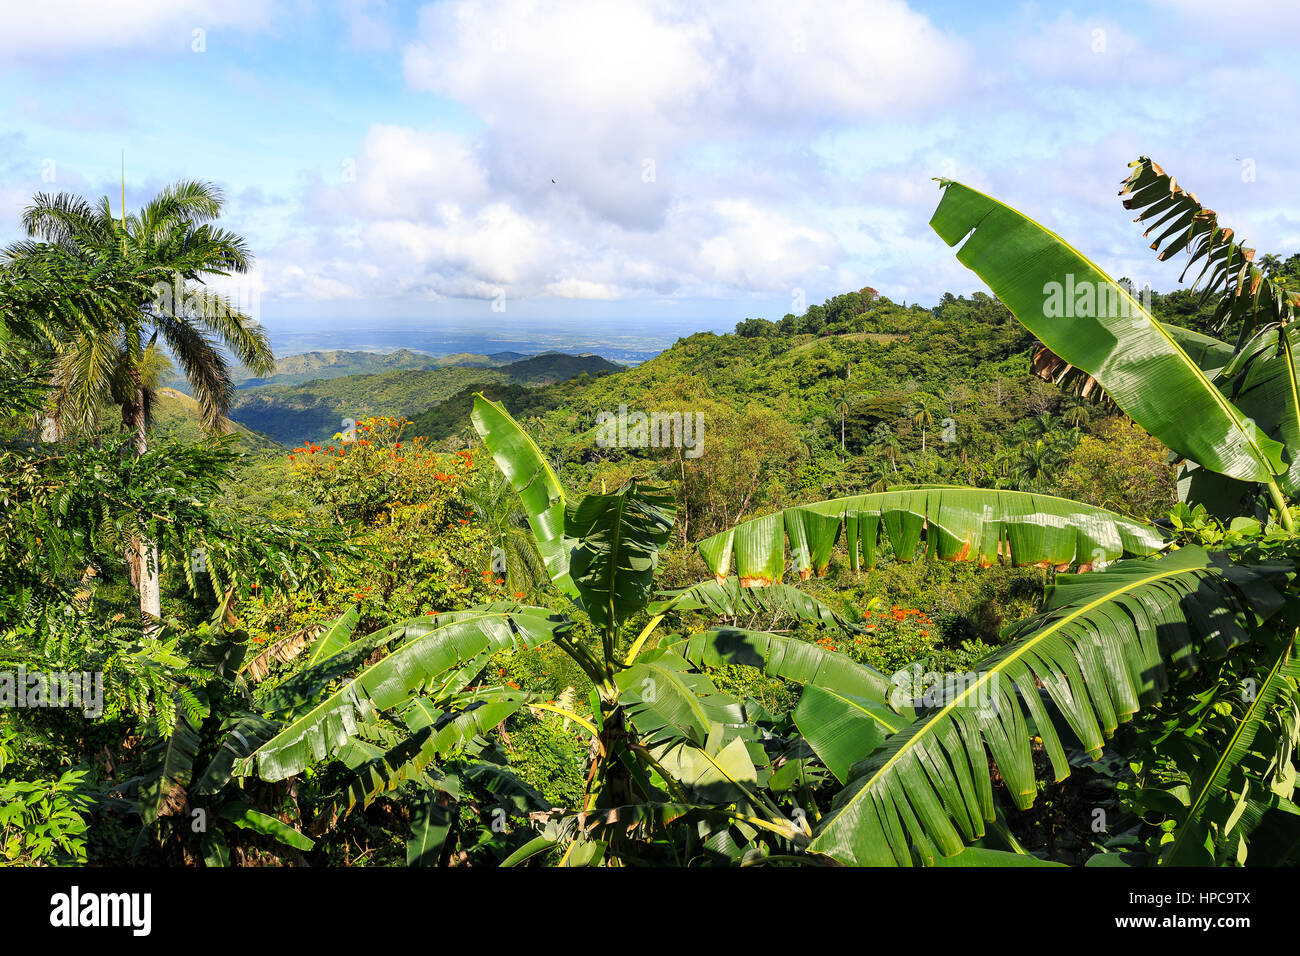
pixel 145 553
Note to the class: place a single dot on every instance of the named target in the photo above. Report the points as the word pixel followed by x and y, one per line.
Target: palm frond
pixel 1227 268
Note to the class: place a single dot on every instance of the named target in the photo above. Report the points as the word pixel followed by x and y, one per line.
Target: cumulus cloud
pixel 598 95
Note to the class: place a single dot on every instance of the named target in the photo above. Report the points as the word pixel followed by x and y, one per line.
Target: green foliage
pixel 42 822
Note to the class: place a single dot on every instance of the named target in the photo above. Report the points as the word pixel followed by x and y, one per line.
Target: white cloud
pixel 755 248
pixel 581 289
pixel 403 173
pixel 591 94
pixel 60 28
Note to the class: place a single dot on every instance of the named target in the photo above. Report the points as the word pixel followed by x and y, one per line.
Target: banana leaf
pixel 954 523
pixel 430 824
pixel 335 638
pixel 1088 319
pixel 840 728
pixel 389 682
pixel 1227 269
pixel 532 478
pixel 789 659
pixel 1104 645
pixel 247 818
pixel 434 733
pixel 665 700
pixel 1264 382
pixel 618 537
pixel 1193 841
pixel 728 599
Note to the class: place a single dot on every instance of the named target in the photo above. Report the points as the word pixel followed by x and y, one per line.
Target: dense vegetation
pixel 963 584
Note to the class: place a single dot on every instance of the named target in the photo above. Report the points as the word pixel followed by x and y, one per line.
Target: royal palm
pixel 174 242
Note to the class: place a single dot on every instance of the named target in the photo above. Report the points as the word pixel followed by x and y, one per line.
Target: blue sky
pixel 395 161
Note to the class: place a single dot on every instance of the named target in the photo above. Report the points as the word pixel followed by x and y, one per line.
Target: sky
pixel 641 163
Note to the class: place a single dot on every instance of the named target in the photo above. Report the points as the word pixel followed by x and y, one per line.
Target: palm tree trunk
pixel 145 553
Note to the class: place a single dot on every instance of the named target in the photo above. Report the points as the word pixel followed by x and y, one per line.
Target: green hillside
pixel 317 408
pixel 337 363
pixel 177 415
pixel 858 393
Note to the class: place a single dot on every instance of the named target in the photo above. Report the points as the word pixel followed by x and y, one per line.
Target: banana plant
pixel 369 714
pixel 679 765
pixel 913 777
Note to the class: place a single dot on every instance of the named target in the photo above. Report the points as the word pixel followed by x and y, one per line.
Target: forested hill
pixel 315 409
pixel 177 414
pixel 337 363
pixel 870 352
pixel 855 394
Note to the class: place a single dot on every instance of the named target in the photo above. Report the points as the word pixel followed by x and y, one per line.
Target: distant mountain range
pixel 337 363
pixel 315 408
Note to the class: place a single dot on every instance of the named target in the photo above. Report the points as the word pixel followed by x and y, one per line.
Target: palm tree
pixel 1076 411
pixel 921 417
pixel 1035 463
pixel 174 241
pixel 842 406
